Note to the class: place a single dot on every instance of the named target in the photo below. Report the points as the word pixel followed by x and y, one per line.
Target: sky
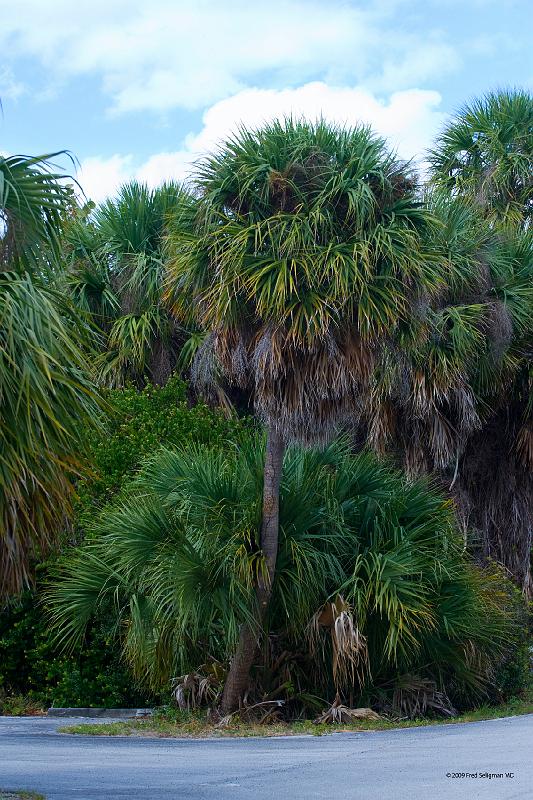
pixel 143 88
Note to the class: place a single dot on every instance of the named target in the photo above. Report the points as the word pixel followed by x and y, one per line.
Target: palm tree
pixel 486 153
pixel 484 157
pixel 450 392
pixel 117 267
pixel 372 589
pixel 33 204
pixel 46 396
pixel 307 252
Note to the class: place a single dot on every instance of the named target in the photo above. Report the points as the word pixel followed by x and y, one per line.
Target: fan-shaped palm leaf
pixel 175 562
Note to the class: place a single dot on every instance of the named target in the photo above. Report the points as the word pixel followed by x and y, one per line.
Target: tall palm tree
pixel 486 153
pixel 307 252
pixel 117 274
pixel 485 158
pixel 451 391
pixel 46 398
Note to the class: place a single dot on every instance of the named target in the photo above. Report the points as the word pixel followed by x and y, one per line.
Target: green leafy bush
pixel 372 592
pixel 139 422
pixel 513 672
pixel 33 673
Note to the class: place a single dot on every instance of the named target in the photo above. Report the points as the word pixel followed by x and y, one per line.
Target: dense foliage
pixel 46 395
pixel 34 672
pixel 372 584
pixel 138 423
pixel 304 274
pixel 116 272
pixel 31 664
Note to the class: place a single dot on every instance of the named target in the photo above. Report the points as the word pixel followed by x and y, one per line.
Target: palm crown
pixel 117 275
pixel 486 153
pixel 308 246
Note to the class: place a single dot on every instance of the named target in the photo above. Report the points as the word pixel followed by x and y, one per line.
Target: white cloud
pixel 10 88
pixel 165 166
pixel 423 63
pixel 101 177
pixel 174 53
pixel 409 120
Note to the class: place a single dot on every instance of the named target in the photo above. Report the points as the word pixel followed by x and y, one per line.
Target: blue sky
pixel 143 88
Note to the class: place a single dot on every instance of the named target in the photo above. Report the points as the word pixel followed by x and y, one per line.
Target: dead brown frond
pixel 350 663
pixel 414 697
pixel 338 713
pixel 306 392
pixel 263 713
pixel 202 688
pixel 498 488
pixel 206 375
pixel 499 328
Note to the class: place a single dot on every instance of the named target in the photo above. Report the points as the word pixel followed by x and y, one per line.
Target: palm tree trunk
pixel 239 671
pixel 160 363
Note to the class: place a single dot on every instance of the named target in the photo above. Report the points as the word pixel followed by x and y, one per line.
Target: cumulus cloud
pixel 409 120
pixel 101 177
pixel 165 166
pixel 173 53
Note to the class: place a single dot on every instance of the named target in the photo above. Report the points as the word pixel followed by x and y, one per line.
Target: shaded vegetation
pixel 373 596
pixel 33 672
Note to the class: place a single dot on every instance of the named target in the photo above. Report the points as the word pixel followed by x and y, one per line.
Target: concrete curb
pixel 111 713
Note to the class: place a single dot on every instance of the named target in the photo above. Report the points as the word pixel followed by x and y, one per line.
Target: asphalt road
pixel 409 764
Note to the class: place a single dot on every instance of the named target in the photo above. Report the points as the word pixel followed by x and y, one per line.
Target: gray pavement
pixel 409 764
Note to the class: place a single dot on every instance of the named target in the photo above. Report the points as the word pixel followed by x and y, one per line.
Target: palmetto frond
pixel 486 153
pixel 88 271
pixel 130 345
pixel 308 247
pixel 46 397
pixel 47 401
pixel 92 292
pixel 33 205
pixel 175 562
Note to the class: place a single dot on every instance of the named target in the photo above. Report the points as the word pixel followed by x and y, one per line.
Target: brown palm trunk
pixel 239 671
pixel 160 362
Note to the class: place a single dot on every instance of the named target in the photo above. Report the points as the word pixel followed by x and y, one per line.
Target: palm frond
pixel 372 581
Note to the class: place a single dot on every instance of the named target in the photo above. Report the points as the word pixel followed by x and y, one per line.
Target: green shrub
pixel 372 592
pixel 139 423
pixel 31 665
pixel 513 672
pixel 33 672
pixel 19 705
